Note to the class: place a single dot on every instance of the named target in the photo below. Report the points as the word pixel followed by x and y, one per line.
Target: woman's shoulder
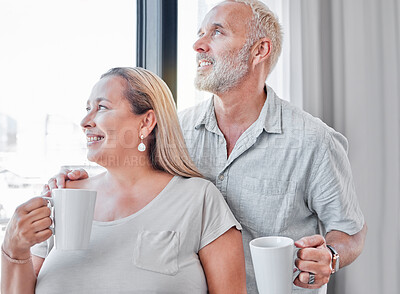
pixel 194 181
pixel 200 185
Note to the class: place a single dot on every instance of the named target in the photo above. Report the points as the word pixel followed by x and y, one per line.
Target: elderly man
pixel 282 171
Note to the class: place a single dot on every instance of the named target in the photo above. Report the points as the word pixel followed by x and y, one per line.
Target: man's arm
pixel 316 258
pixel 58 181
pixel 331 196
pixel 348 247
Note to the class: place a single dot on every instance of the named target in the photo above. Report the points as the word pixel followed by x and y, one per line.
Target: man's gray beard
pixel 226 72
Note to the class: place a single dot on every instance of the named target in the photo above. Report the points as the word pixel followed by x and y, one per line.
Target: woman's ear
pixel 148 123
pixel 261 50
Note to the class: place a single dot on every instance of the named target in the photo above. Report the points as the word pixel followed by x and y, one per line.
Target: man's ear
pixel 261 50
pixel 148 123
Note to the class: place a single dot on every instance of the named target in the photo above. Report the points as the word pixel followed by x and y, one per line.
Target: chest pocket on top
pixel 266 205
pixel 157 252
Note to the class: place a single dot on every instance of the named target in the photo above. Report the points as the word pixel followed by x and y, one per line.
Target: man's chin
pixel 212 87
pixel 204 88
pixel 201 84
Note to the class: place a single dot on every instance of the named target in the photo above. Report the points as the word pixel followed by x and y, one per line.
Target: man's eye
pixel 217 32
pixel 102 107
pixel 87 109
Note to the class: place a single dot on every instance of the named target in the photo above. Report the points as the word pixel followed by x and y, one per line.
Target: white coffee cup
pixel 273 264
pixel 73 211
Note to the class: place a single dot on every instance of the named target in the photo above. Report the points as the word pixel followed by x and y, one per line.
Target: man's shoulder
pixel 191 116
pixel 295 119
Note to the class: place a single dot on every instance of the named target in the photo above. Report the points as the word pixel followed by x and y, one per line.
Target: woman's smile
pixel 93 139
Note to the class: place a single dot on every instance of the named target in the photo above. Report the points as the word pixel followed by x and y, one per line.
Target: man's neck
pixel 237 110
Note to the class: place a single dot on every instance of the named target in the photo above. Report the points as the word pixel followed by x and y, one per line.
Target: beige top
pixel 152 251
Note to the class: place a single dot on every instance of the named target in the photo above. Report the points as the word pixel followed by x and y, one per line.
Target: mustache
pixel 204 56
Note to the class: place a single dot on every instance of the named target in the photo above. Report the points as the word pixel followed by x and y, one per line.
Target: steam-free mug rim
pixel 287 242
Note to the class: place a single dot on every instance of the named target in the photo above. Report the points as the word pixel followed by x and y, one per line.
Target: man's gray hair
pixel 264 24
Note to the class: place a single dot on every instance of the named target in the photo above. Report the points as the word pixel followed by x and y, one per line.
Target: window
pixel 52 53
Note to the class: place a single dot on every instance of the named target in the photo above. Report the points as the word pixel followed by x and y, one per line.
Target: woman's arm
pixel 28 226
pixel 37 264
pixel 17 278
pixel 223 264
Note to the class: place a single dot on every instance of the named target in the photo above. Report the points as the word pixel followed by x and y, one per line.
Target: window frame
pixel 157 39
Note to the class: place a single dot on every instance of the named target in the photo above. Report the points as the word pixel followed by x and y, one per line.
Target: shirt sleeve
pixel 331 192
pixel 217 217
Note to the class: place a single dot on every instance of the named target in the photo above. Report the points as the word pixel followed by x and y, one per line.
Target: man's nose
pixel 201 45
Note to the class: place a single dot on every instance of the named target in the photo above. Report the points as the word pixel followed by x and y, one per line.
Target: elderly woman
pixel 150 195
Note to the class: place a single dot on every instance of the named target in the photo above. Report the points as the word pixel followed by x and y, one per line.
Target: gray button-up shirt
pixel 287 175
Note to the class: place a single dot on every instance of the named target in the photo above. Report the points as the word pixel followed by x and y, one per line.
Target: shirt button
pixel 221 177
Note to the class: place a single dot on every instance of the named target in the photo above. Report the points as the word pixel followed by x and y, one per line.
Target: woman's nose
pixel 88 121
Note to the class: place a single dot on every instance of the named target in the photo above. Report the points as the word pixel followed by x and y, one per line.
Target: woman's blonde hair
pixel 167 149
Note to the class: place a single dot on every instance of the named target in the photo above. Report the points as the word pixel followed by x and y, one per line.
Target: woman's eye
pixel 87 109
pixel 102 107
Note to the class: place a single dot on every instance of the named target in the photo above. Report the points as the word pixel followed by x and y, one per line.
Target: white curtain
pixel 351 80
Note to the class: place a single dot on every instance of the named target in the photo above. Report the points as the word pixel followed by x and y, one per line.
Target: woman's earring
pixel 141 146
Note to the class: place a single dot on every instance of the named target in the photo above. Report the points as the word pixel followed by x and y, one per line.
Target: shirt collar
pixel 207 115
pixel 271 113
pixel 270 117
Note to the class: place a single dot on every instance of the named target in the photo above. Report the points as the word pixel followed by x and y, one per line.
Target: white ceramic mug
pixel 273 264
pixel 73 211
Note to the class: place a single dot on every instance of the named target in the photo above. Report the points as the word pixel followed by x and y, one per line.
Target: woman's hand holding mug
pixel 28 226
